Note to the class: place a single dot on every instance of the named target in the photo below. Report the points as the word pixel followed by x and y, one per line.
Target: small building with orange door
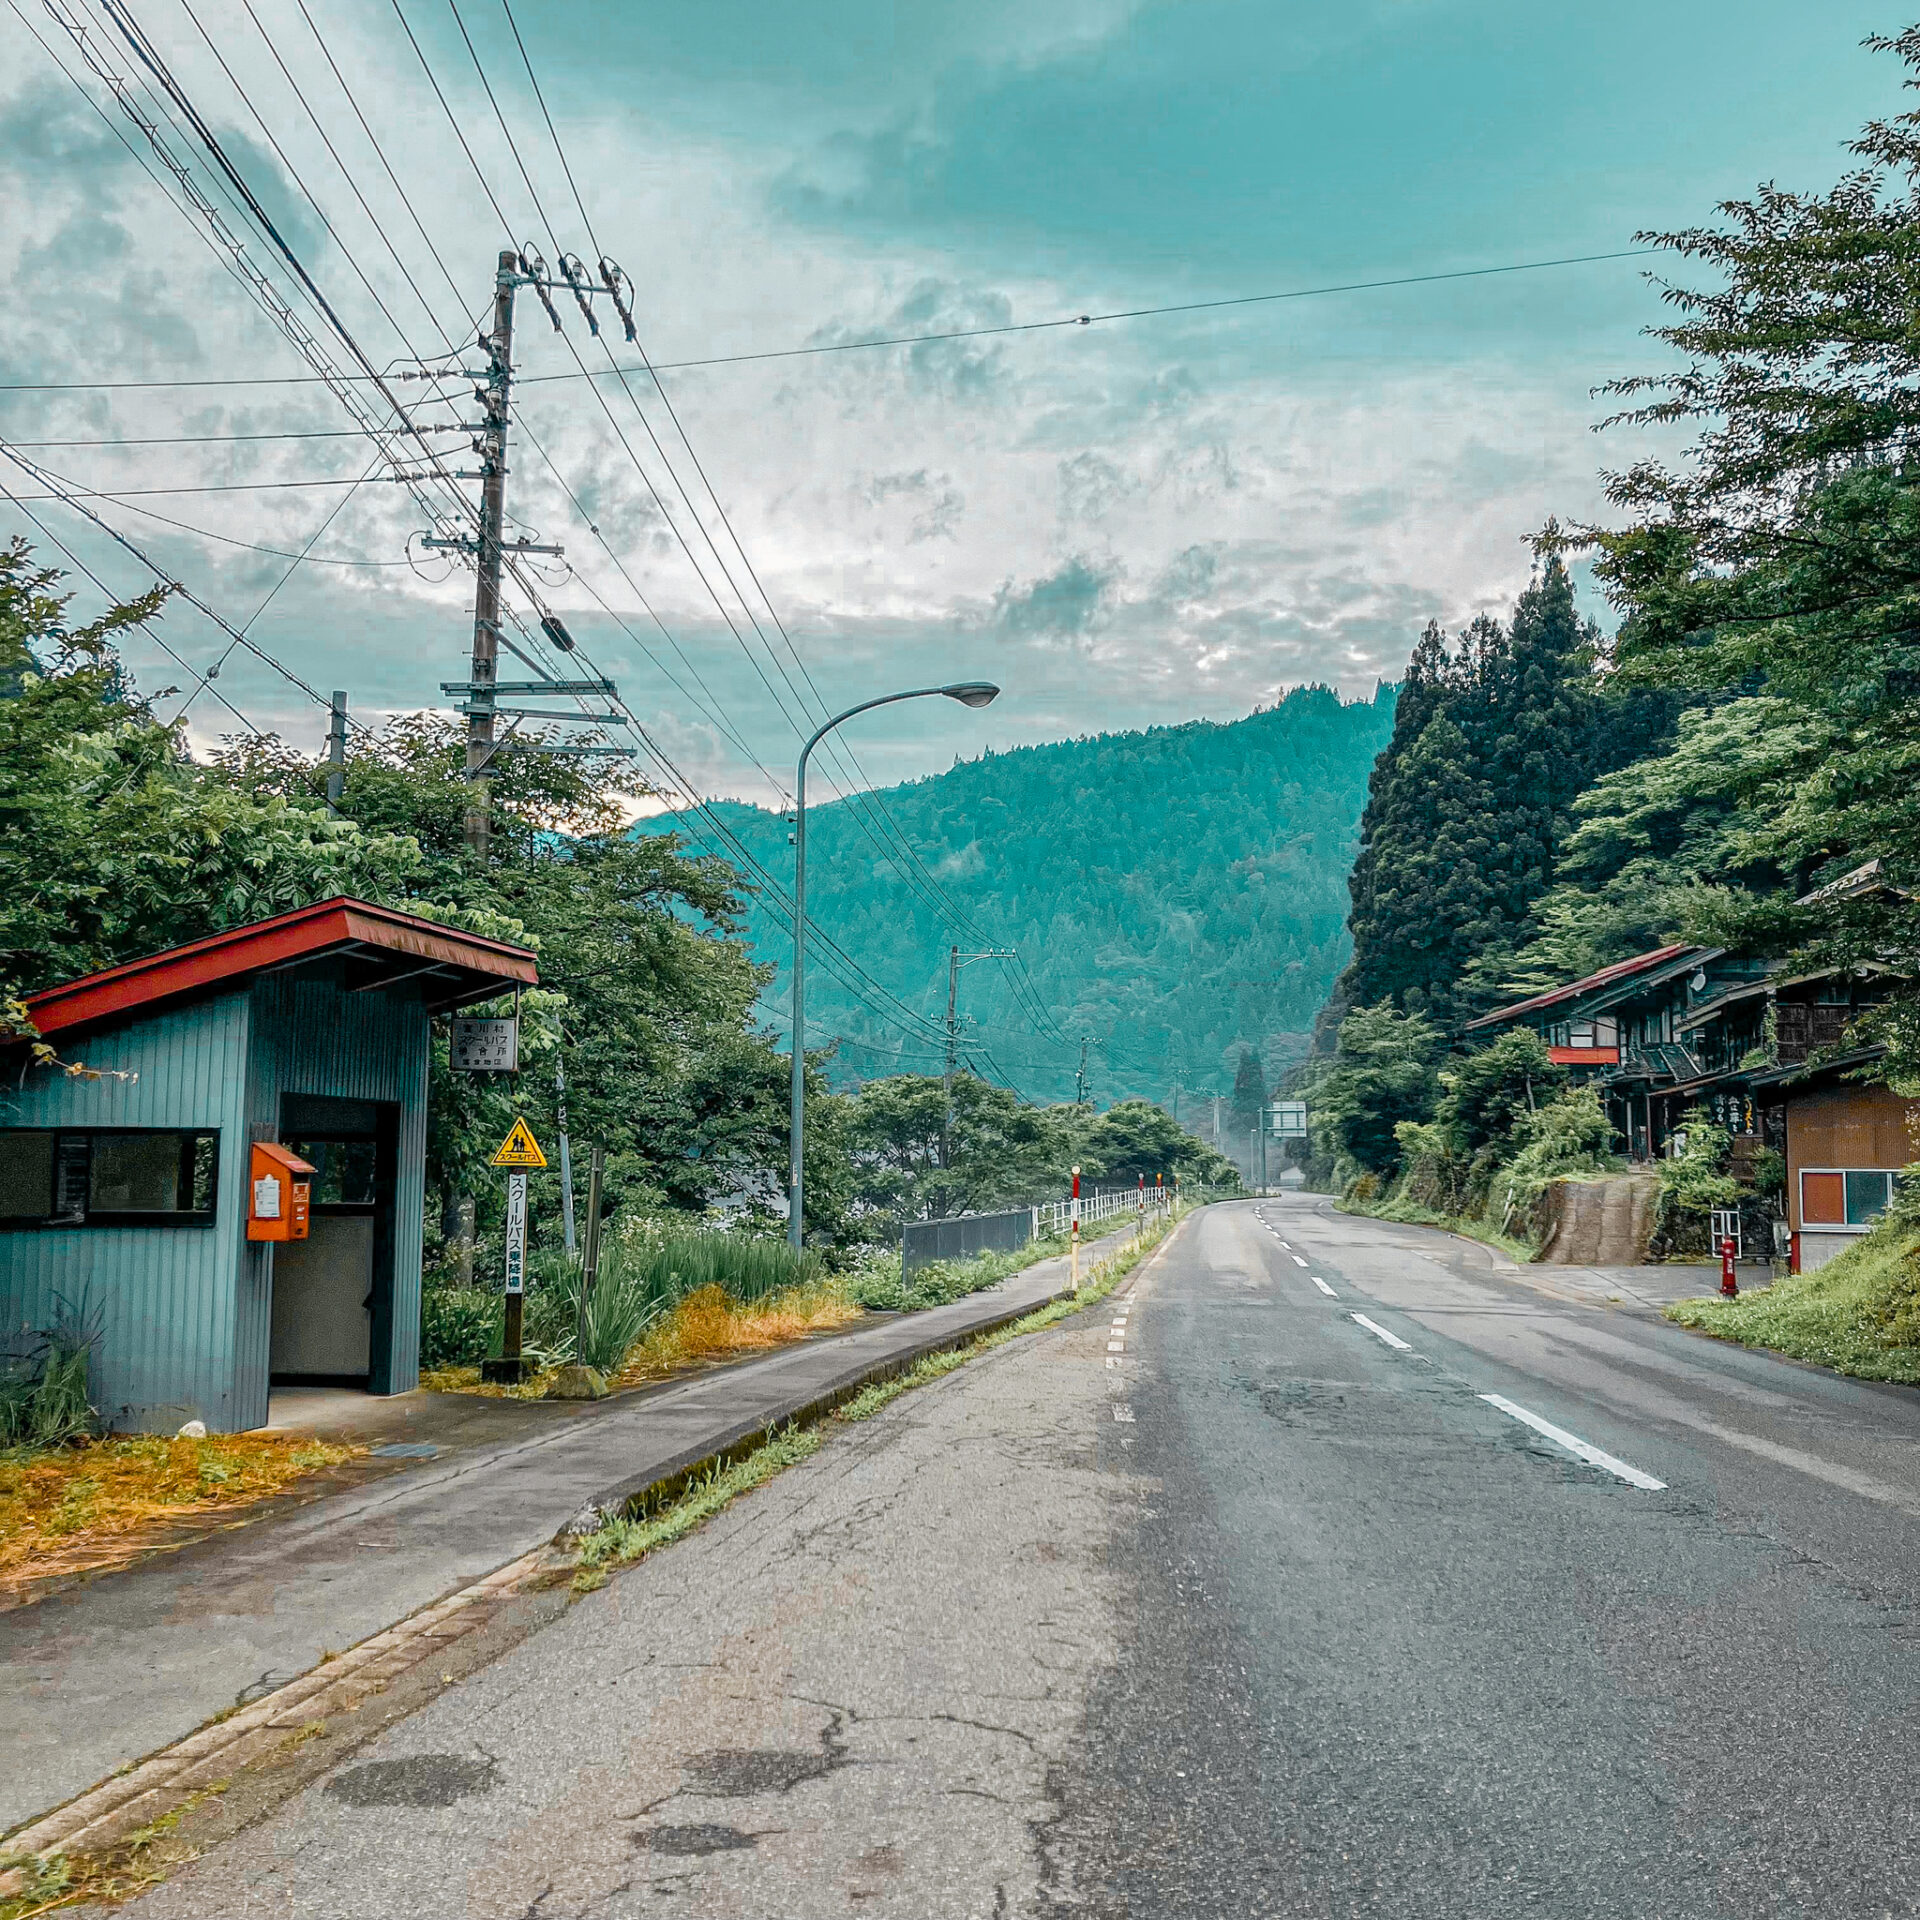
pixel 232 1193
pixel 1846 1141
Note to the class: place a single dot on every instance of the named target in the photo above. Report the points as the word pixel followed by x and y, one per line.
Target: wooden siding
pixel 1847 1126
pixel 166 1295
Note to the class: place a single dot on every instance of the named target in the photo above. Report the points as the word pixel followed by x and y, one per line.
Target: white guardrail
pixel 1055 1216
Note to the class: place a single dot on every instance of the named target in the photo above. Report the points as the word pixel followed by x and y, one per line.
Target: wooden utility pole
pixel 1080 1078
pixel 496 400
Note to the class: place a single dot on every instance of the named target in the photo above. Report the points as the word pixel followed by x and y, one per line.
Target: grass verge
pixel 1859 1314
pixel 709 1325
pixel 30 1886
pixel 76 1509
pixel 630 1537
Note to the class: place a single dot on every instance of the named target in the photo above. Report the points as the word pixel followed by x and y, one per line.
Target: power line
pixel 42 477
pixel 222 439
pixel 237 486
pixel 920 339
pixel 866 805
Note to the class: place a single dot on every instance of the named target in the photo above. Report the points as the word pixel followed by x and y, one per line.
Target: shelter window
pixel 108 1177
pixel 1844 1197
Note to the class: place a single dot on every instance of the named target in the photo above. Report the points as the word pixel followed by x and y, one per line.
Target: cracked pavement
pixel 855 1691
pixel 1215 1604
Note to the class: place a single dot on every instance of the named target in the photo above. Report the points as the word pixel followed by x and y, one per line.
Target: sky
pixel 1125 523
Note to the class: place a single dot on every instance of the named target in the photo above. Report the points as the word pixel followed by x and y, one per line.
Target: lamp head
pixel 972 693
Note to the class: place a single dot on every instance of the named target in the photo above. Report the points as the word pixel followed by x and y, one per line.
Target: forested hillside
pixel 1175 896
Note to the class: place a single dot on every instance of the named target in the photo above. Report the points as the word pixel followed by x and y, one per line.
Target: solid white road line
pixel 1392 1339
pixel 1297 1261
pixel 1576 1446
pixel 1324 1288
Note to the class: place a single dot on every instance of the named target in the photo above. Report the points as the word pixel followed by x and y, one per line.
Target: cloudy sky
pixel 1135 521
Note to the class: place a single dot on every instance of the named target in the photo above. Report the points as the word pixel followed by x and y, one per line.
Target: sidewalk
pixel 95 1677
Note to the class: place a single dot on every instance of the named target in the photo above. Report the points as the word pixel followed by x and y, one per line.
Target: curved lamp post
pixel 970 693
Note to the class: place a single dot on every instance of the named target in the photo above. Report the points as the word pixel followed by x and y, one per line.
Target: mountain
pixel 1175 896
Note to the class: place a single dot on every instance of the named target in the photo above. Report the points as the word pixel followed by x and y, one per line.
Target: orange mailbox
pixel 279 1187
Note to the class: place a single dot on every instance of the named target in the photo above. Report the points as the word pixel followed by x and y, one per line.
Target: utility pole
pixel 496 399
pixel 1080 1078
pixel 337 754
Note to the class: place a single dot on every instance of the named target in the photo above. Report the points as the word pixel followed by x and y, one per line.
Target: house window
pixel 108 1177
pixel 1844 1199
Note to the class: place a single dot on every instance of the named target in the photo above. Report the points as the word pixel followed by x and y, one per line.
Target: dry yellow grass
pixel 79 1509
pixel 708 1325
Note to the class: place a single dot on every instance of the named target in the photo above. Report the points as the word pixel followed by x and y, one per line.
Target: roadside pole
pixel 566 1152
pixel 516 1153
pixel 590 1263
pixel 1075 1211
pixel 516 1263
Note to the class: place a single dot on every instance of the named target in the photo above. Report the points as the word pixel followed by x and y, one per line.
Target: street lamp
pixel 970 693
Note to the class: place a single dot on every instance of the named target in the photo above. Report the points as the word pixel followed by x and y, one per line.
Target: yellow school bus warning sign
pixel 519 1149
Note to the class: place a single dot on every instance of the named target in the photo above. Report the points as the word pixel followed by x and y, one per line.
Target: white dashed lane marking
pixel 1297 1261
pixel 1580 1449
pixel 1379 1332
pixel 1123 1412
pixel 1324 1288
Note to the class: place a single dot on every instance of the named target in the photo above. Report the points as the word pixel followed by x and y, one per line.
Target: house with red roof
pixel 233 1189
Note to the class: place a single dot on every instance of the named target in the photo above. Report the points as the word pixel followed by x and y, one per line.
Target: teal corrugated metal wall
pixel 167 1295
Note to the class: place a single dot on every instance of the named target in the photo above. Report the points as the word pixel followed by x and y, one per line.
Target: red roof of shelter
pixel 1620 970
pixel 452 967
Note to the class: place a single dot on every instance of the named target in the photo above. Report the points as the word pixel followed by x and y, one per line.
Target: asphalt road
pixel 1225 1604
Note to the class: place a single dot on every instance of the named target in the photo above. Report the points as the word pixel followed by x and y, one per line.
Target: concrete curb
pixel 108 1814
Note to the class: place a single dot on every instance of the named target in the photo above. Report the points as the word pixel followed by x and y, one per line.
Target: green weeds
pixel 630 1537
pixel 1859 1314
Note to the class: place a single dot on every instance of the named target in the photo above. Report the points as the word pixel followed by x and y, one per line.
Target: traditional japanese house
pixel 1625 1030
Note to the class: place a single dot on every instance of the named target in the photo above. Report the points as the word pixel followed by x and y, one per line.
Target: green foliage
pixel 1776 558
pixel 1135 1140
pixel 1674 845
pixel 1175 894
pixel 1248 1104
pixel 1570 1134
pixel 1384 1071
pixel 113 843
pixel 43 1395
pixel 879 1286
pixel 1467 807
pixel 1692 1183
pixel 907 1161
pixel 1859 1314
pixel 644 994
pixel 1489 1101
pixel 643 1276
pixel 459 1326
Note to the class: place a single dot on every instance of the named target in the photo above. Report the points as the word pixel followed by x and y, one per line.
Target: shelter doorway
pixel 333 1291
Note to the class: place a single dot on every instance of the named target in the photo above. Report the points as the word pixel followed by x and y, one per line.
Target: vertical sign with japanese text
pixel 516 1232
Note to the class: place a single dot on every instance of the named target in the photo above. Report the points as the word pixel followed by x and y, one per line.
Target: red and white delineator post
pixel 1075 1214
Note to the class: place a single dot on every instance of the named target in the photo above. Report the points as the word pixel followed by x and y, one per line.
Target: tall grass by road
pixel 1859 1314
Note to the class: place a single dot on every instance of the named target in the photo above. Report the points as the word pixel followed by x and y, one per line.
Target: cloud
pixel 1062 605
